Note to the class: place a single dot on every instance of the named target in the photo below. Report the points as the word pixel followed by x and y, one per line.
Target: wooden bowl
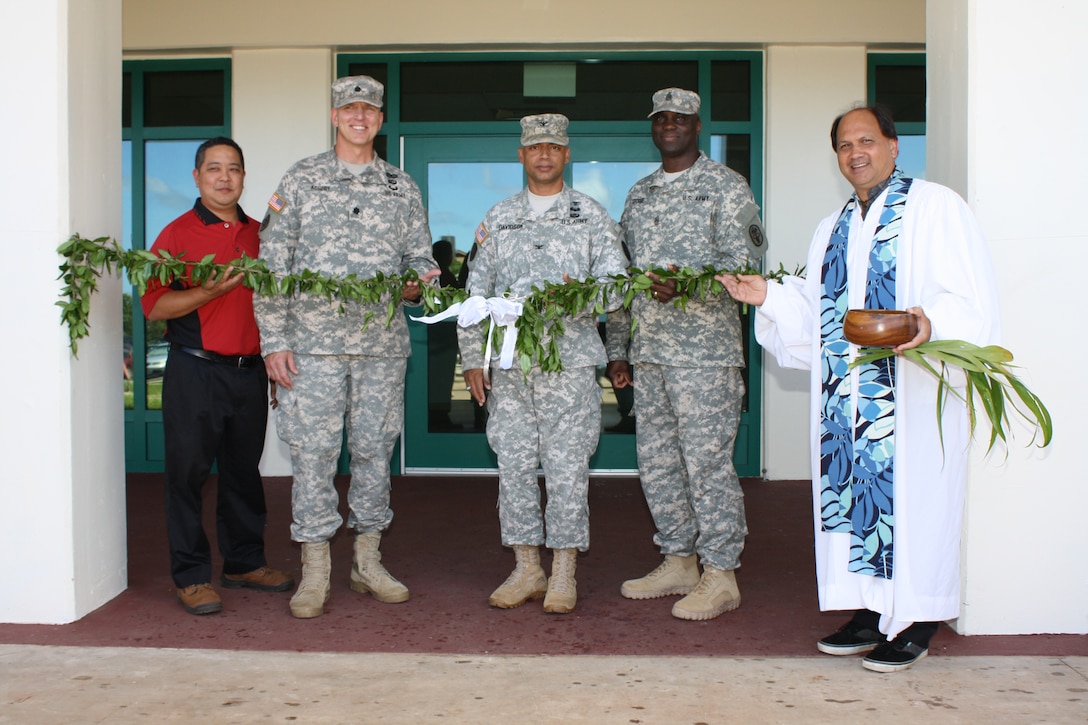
pixel 879 328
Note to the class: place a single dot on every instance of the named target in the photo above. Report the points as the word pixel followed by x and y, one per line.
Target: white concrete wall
pixel 1016 151
pixel 62 523
pixel 807 87
pixel 1003 131
pixel 280 101
pixel 546 24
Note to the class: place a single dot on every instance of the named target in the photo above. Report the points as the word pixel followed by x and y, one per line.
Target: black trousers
pixel 213 413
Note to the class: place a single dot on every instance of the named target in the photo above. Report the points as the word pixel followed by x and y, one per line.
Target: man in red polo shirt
pixel 215 390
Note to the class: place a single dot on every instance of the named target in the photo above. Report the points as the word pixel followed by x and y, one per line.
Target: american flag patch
pixel 481 234
pixel 276 203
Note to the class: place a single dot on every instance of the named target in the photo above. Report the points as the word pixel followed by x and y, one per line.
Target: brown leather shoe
pixel 264 579
pixel 200 599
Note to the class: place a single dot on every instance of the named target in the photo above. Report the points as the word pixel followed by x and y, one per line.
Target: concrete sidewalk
pixel 126 684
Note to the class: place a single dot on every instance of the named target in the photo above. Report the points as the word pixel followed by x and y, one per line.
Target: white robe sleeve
pixel 787 323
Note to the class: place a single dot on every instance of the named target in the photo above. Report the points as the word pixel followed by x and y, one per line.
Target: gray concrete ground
pixel 123 685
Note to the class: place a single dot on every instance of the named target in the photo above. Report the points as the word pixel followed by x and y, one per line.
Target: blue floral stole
pixel 857 448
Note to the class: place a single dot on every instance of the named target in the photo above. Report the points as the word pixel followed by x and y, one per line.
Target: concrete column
pixel 280 101
pixel 807 87
pixel 1005 128
pixel 62 523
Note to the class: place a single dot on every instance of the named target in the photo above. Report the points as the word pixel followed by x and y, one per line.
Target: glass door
pixel 461 178
pixel 606 167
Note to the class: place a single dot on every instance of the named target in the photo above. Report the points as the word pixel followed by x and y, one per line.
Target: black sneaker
pixel 851 639
pixel 899 654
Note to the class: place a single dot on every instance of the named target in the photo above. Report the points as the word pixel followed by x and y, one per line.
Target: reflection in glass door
pixel 459 194
pixel 169 191
pixel 606 168
pixel 460 178
pixel 157 184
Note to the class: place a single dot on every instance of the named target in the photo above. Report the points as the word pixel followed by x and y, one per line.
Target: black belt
pixel 235 361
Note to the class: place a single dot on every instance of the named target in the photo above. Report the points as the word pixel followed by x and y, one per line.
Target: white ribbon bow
pixel 503 313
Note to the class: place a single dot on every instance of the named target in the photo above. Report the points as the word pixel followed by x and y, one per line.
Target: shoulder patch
pixel 481 234
pixel 756 235
pixel 755 238
pixel 276 203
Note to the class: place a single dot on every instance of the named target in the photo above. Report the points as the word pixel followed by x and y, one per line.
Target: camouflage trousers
pixel 366 394
pixel 687 425
pixel 552 420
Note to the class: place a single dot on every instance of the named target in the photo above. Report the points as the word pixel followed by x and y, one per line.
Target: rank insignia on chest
pixel 276 203
pixel 481 234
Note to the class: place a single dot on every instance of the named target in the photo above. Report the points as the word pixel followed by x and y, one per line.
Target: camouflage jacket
pixel 325 219
pixel 705 216
pixel 515 251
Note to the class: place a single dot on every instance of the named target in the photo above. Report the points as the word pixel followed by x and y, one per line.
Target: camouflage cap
pixel 676 100
pixel 545 128
pixel 356 88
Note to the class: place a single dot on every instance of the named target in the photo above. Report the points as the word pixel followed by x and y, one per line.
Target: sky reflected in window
pixel 912 156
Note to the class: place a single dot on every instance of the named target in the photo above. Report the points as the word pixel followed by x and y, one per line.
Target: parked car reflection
pixel 156 359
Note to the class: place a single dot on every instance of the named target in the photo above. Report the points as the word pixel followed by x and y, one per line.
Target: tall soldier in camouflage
pixel 342 212
pixel 546 233
pixel 689 213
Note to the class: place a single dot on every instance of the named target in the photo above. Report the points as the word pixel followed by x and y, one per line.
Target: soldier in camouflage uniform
pixel 547 233
pixel 342 212
pixel 689 213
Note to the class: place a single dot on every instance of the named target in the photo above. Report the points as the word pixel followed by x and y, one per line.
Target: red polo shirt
pixel 226 324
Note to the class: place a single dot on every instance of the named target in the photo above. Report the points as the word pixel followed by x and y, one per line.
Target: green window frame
pixel 905 99
pixel 148 118
pixel 898 81
pixel 387 68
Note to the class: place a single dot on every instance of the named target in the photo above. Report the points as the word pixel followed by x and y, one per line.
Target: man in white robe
pixel 944 277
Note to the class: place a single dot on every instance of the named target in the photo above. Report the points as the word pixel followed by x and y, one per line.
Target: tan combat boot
pixel 675 575
pixel 526 582
pixel 369 576
pixel 313 591
pixel 562 587
pixel 715 594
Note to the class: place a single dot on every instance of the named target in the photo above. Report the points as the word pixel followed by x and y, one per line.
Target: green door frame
pixel 397 133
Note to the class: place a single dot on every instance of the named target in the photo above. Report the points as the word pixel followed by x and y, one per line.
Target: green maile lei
pixel 989 375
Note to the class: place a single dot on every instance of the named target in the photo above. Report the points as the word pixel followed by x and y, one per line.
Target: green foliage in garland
pixel 539 326
pixel 989 378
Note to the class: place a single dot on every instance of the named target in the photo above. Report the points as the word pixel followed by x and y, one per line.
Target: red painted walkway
pixel 444 544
